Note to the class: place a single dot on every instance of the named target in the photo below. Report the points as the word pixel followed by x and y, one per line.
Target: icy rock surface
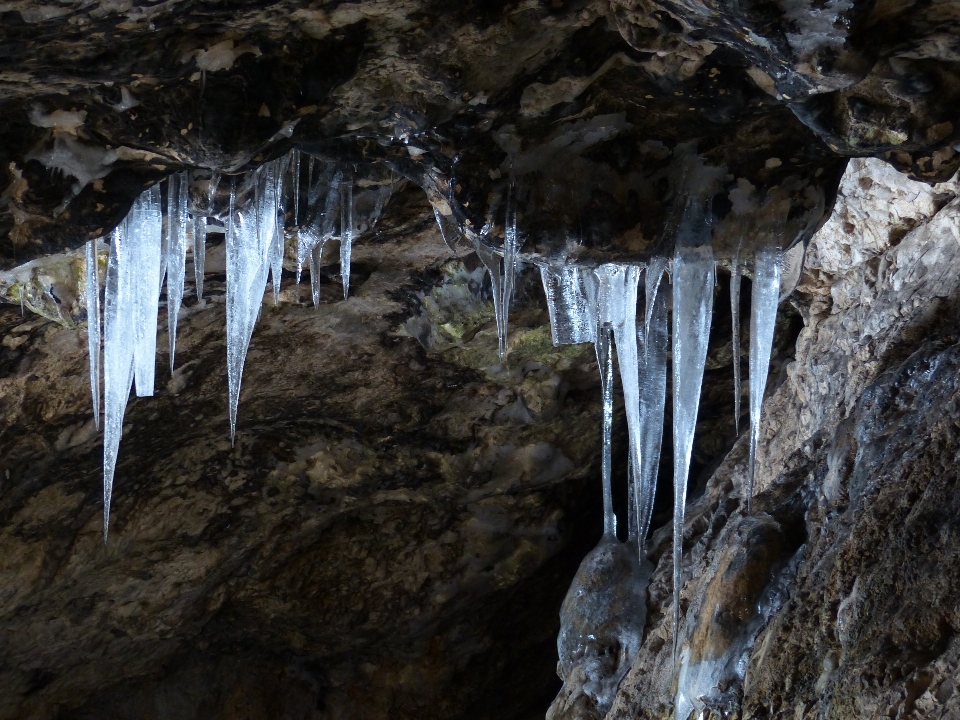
pixel 601 625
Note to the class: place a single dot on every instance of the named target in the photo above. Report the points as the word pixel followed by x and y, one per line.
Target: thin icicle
pixel 655 269
pixel 511 247
pixel 295 182
pixel 176 260
pixel 653 398
pixel 143 238
pixel 763 318
pixel 119 341
pixel 93 327
pixel 346 234
pixel 199 251
pixel 604 348
pixel 693 284
pixel 735 277
pixel 318 230
pixel 276 249
pixel 571 301
pixel 316 257
pixel 494 265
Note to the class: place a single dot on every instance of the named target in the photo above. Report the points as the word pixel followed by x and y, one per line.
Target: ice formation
pixel 93 325
pixel 604 348
pixel 144 228
pixel 653 398
pixel 693 283
pixel 175 253
pixel 763 317
pixel 736 275
pixel 604 613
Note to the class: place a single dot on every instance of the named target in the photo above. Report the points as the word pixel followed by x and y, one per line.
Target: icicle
pixel 735 276
pixel 346 235
pixel 763 318
pixel 655 269
pixel 492 262
pixel 571 300
pixel 119 341
pixel 693 283
pixel 247 266
pixel 617 308
pixel 176 260
pixel 653 398
pixel 295 182
pixel 199 251
pixel 604 350
pixel 93 327
pixel 143 238
pixel 448 230
pixel 317 231
pixel 511 246
pixel 276 245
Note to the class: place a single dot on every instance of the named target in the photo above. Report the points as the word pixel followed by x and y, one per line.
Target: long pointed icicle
pixel 346 234
pixel 176 259
pixel 604 349
pixel 93 327
pixel 249 237
pixel 511 247
pixel 693 284
pixel 653 398
pixel 143 238
pixel 763 318
pixel 735 277
pixel 494 265
pixel 199 251
pixel 295 184
pixel 118 321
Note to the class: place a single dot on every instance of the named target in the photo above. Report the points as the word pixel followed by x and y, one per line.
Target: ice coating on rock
pixel 571 294
pixel 176 253
pixel 346 234
pixel 247 267
pixel 736 275
pixel 118 346
pixel 693 284
pixel 143 229
pixel 763 318
pixel 653 398
pixel 617 288
pixel 93 327
pixel 602 620
pixel 604 349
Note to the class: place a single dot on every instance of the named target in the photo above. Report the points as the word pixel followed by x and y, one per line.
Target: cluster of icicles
pixel 598 305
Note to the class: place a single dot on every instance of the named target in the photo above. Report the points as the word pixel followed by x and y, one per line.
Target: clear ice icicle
pixel 492 262
pixel 735 276
pixel 176 259
pixel 571 294
pixel 653 398
pixel 693 284
pixel 617 308
pixel 511 246
pixel 199 251
pixel 276 243
pixel 652 278
pixel 247 267
pixel 763 317
pixel 143 240
pixel 346 234
pixel 93 327
pixel 604 348
pixel 295 182
pixel 119 340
